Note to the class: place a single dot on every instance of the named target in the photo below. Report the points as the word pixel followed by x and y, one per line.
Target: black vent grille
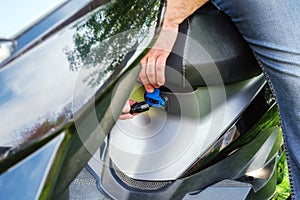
pixel 140 185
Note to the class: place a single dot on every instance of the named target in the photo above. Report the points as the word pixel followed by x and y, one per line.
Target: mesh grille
pixel 139 184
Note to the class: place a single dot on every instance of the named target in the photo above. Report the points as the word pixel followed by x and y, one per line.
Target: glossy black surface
pixel 65 83
pixel 24 180
pixel 39 26
pixel 42 88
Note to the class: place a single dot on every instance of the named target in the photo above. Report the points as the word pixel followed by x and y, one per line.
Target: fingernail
pixel 149 89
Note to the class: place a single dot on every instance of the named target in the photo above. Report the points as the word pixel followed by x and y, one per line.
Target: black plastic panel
pixel 210 51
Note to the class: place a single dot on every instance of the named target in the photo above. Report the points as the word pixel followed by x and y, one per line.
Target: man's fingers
pixel 152 74
pixel 126 107
pixel 126 116
pixel 143 76
pixel 160 69
pixel 149 67
pixel 151 71
pixel 149 88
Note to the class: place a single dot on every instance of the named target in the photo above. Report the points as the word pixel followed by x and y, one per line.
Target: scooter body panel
pixel 162 145
pixel 235 168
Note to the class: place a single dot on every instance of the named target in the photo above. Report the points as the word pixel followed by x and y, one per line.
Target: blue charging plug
pixel 154 99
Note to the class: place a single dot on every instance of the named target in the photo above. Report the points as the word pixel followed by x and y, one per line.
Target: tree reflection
pixel 103 39
pixel 101 42
pixel 45 124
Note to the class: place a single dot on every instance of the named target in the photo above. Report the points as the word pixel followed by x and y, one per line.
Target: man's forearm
pixel 152 74
pixel 179 10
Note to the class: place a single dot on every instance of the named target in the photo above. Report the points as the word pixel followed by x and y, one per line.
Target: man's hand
pixel 126 110
pixel 152 74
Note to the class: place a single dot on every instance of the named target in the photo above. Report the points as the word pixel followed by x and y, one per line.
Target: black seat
pixel 210 51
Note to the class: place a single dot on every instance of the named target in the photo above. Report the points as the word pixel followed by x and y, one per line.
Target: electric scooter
pixel 212 132
pixel 218 135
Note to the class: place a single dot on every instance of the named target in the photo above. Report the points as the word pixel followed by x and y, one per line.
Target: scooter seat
pixel 209 50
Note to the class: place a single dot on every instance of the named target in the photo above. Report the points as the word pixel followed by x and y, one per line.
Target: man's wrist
pixel 169 25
